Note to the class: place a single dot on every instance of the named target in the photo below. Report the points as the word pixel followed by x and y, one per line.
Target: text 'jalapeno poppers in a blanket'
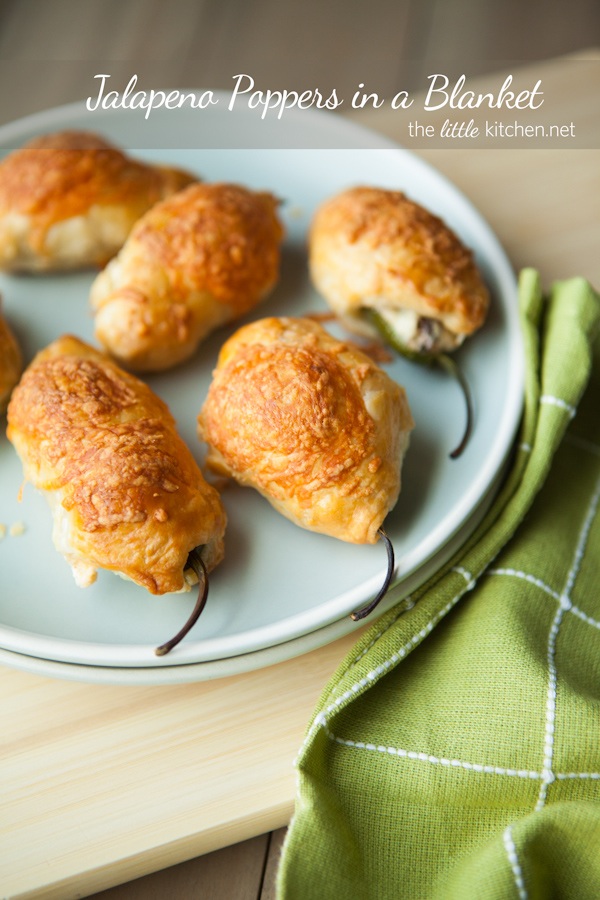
pixel 313 424
pixel 196 261
pixel 389 267
pixel 69 200
pixel 125 491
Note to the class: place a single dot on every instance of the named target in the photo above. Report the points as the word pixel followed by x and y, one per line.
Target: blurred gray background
pixel 51 49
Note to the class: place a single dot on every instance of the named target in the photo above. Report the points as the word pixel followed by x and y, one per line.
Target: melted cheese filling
pixel 419 333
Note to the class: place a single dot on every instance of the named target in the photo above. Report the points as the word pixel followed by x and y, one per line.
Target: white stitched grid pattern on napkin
pixel 455 753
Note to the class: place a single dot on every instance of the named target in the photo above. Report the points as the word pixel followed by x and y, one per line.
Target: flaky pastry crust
pixel 126 493
pixel 10 362
pixel 310 422
pixel 69 200
pixel 196 261
pixel 375 247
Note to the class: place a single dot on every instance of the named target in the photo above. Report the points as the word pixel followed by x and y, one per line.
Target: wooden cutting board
pixel 101 784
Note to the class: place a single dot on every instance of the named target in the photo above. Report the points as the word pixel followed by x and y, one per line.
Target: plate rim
pixel 63 648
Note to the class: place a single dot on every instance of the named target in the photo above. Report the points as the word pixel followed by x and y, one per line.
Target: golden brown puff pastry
pixel 194 262
pixel 125 491
pixel 310 422
pixel 69 200
pixel 10 363
pixel 371 247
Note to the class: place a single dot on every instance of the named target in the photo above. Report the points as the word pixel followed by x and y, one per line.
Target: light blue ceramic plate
pixel 278 584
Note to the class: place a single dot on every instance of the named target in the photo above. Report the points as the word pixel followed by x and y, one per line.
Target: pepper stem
pixel 441 360
pixel 196 563
pixel 362 613
pixel 449 365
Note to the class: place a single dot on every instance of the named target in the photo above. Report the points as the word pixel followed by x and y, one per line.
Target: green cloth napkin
pixel 456 751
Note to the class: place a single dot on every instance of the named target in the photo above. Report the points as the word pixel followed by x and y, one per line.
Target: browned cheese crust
pixel 370 246
pixel 70 199
pixel 10 362
pixel 194 262
pixel 310 422
pixel 126 493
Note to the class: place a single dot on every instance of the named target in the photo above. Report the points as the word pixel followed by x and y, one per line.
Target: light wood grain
pixel 235 872
pixel 103 784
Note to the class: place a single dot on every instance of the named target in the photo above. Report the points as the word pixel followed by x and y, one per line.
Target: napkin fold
pixel 456 751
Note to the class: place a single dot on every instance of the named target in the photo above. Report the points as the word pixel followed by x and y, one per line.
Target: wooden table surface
pixel 104 784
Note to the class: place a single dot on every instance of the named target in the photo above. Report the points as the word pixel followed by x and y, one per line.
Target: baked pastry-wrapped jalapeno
pixel 125 491
pixel 69 200
pixel 312 423
pixel 194 262
pixel 390 268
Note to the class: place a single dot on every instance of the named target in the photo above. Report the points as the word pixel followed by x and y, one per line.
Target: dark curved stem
pixel 362 613
pixel 425 358
pixel 195 562
pixel 448 364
